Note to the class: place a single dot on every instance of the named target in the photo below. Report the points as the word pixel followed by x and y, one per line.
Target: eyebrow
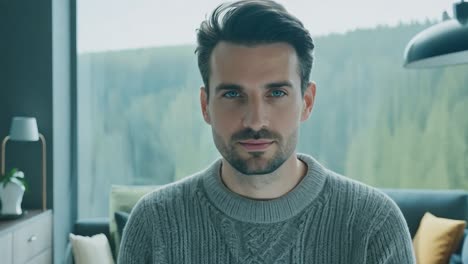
pixel 231 86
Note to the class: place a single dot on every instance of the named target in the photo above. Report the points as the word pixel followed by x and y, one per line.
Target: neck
pixel 264 186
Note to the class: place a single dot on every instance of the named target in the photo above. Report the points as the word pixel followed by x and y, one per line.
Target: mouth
pixel 256 145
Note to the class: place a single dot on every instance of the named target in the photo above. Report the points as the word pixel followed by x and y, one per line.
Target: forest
pixel 374 121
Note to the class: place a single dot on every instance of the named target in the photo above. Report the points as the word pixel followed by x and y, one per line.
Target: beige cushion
pixel 90 250
pixel 437 239
pixel 123 198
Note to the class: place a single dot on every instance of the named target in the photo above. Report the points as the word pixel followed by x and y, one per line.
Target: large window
pixel 139 114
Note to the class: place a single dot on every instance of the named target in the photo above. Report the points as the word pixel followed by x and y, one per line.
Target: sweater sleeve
pixel 135 246
pixel 390 243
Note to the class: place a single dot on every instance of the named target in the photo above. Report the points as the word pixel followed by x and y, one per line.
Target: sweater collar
pixel 258 211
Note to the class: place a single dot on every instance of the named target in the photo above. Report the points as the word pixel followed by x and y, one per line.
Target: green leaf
pixel 9 177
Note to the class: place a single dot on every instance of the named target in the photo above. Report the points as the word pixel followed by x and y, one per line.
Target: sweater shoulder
pixel 371 203
pixel 178 191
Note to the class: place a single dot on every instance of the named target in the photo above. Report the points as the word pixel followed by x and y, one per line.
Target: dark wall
pixel 26 87
pixel 37 78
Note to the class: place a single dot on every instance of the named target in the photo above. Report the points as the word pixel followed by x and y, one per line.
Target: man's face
pixel 255 104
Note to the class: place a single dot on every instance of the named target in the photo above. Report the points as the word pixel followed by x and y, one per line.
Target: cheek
pixel 224 118
pixel 286 116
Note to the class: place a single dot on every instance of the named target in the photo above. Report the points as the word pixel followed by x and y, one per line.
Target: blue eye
pixel 231 94
pixel 278 93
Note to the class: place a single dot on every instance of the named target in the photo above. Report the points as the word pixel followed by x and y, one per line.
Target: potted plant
pixel 12 188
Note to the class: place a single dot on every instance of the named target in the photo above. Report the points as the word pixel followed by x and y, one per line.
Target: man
pixel 262 202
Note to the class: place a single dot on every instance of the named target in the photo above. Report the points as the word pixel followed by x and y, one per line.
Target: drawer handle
pixel 32 238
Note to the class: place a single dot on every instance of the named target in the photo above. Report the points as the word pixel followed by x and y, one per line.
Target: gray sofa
pixel 451 204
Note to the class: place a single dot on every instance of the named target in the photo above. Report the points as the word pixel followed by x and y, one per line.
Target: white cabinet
pixel 28 239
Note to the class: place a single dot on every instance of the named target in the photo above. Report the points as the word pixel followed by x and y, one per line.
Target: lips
pixel 255 145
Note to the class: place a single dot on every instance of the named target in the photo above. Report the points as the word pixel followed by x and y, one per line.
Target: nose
pixel 255 116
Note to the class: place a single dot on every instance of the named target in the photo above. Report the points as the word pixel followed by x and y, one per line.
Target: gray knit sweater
pixel 325 219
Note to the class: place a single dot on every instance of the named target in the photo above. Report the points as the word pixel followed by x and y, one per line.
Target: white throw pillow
pixel 90 250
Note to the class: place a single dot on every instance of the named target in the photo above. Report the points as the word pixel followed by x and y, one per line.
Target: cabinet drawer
pixel 31 239
pixel 43 258
pixel 6 242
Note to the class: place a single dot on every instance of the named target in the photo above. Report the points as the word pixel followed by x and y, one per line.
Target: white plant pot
pixel 11 196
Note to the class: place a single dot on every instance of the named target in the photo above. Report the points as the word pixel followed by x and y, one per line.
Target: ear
pixel 204 104
pixel 308 101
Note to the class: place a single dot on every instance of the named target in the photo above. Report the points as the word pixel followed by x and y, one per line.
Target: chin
pixel 256 163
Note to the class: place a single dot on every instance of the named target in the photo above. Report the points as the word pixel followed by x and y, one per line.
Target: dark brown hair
pixel 253 22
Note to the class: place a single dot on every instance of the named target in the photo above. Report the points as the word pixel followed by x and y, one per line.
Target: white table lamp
pixel 25 129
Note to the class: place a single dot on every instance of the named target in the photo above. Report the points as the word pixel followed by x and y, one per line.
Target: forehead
pixel 253 65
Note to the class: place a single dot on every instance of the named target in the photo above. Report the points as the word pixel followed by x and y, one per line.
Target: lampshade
pixel 24 129
pixel 443 44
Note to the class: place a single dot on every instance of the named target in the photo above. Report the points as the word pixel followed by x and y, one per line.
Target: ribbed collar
pixel 276 210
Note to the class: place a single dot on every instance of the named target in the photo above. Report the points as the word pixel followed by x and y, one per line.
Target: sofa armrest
pixel 464 248
pixel 461 254
pixel 92 226
pixel 68 255
pixel 89 227
pixel 461 245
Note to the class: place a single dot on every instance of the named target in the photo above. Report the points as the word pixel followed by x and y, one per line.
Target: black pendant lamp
pixel 443 44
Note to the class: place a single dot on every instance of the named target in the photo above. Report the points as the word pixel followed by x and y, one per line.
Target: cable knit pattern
pixel 325 219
